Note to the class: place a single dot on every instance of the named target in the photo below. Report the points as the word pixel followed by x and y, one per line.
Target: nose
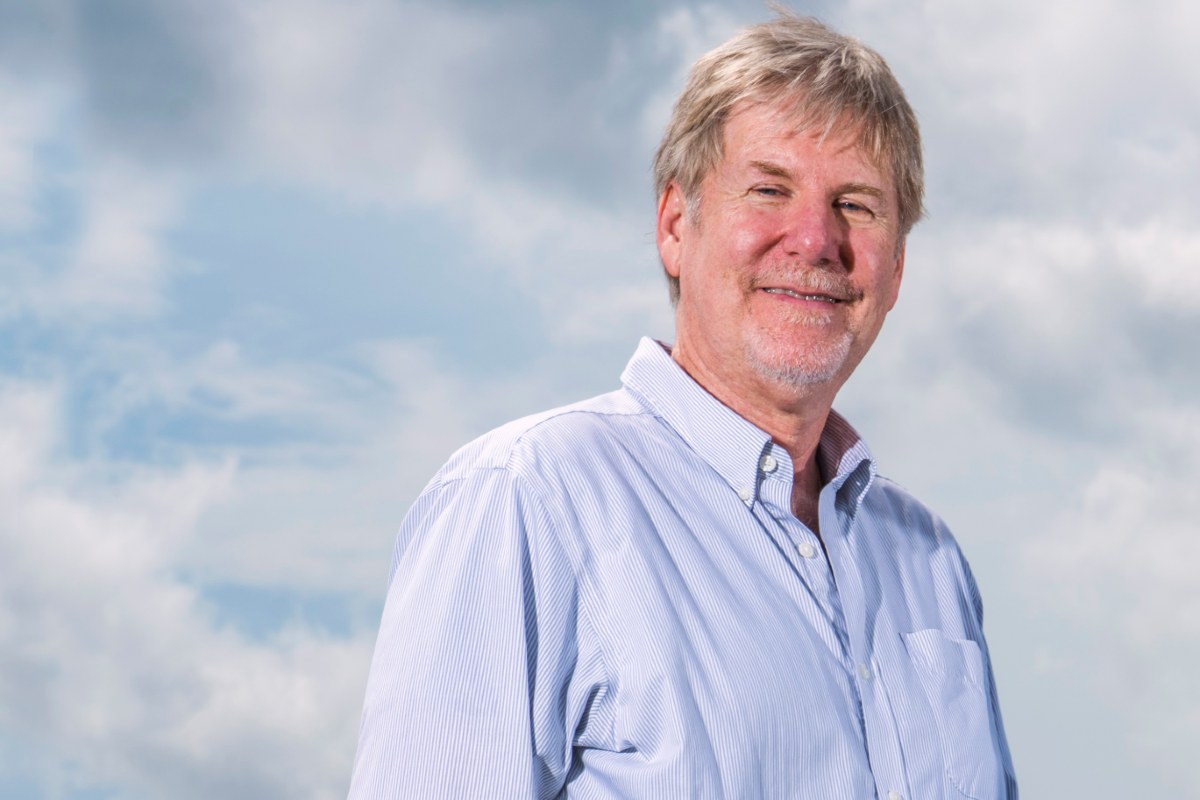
pixel 814 233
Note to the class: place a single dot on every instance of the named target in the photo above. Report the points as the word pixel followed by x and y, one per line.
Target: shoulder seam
pixel 560 414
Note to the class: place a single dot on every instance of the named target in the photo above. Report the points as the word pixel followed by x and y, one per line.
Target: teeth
pixel 790 293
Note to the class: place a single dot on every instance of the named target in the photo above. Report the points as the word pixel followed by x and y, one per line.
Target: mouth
pixel 803 295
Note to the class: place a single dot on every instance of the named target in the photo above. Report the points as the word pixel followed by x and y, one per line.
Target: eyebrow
pixel 770 168
pixel 863 188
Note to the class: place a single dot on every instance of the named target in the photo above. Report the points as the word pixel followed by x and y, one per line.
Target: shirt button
pixel 807 550
pixel 864 672
pixel 746 493
pixel 894 795
pixel 768 463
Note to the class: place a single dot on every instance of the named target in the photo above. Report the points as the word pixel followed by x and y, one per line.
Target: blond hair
pixel 833 83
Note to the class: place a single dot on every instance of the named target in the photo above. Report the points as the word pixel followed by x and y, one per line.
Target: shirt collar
pixel 732 446
pixel 845 460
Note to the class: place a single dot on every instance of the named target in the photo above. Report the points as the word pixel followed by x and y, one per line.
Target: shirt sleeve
pixel 474 688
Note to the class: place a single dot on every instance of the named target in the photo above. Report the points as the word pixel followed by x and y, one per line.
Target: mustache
pixel 809 281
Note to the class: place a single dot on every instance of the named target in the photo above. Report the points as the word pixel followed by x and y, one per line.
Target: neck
pixel 806 491
pixel 801 443
pixel 800 435
pixel 794 416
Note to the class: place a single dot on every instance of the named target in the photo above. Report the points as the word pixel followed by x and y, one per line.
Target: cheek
pixel 894 296
pixel 892 285
pixel 750 237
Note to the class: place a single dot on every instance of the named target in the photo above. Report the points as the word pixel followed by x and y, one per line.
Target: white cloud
pixel 357 94
pixel 1048 110
pixel 1127 537
pixel 114 264
pixel 1064 328
pixel 1118 562
pixel 115 268
pixel 119 265
pixel 348 113
pixel 322 515
pixel 112 667
pixel 1162 256
pixel 682 35
pixel 223 381
pixel 25 117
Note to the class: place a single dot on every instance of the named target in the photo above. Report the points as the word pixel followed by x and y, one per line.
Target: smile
pixel 823 298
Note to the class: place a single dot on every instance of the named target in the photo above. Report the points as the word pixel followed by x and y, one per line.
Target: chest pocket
pixel 952 674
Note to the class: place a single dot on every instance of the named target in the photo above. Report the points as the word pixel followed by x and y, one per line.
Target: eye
pixel 856 209
pixel 768 191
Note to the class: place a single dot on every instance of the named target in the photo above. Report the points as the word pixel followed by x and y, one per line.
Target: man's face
pixel 791 264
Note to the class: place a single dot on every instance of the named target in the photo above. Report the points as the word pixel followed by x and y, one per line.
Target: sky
pixel 265 265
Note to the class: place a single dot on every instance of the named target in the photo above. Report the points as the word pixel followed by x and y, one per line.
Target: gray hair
pixel 833 83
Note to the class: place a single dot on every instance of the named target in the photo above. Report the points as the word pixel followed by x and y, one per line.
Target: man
pixel 698 586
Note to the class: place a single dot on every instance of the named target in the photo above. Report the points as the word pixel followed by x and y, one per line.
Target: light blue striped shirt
pixel 614 600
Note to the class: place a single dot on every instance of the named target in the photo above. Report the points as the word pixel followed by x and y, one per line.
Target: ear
pixel 897 274
pixel 672 221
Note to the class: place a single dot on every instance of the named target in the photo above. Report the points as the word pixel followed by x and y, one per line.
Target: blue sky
pixel 264 266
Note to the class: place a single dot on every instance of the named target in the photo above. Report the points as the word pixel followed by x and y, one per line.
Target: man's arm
pixel 469 691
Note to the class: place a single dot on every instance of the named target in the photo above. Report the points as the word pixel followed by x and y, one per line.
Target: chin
pixel 799 364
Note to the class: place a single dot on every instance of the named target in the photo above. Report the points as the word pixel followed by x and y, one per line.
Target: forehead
pixel 754 130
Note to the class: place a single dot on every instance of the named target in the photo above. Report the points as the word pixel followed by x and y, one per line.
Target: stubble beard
pixel 774 353
pixel 797 365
